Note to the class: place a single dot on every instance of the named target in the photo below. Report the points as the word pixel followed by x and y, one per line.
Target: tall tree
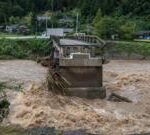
pixel 97 17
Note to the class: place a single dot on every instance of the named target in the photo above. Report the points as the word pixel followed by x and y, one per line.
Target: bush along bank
pixel 24 49
pixel 128 50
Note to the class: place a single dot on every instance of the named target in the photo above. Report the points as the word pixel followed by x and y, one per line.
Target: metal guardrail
pixel 88 39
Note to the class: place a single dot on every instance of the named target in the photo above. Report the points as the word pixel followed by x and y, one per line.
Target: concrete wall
pixel 83 76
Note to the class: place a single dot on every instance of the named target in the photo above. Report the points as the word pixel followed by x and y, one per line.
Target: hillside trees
pixel 106 27
pixel 106 16
pixel 127 30
pixel 88 7
pixel 98 17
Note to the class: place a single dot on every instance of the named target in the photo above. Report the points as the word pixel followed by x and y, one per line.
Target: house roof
pixel 58 31
pixel 12 26
pixel 142 32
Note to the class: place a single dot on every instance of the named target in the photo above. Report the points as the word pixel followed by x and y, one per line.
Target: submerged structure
pixel 79 61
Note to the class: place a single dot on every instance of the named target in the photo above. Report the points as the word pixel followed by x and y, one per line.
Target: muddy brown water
pixel 36 107
pixel 25 71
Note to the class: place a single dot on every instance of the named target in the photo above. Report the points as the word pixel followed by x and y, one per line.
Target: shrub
pixel 24 48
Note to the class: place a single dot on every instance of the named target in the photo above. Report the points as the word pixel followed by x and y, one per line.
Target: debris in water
pixel 57 83
pixel 4 109
pixel 117 98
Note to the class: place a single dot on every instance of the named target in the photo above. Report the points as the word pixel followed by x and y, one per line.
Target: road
pixel 24 37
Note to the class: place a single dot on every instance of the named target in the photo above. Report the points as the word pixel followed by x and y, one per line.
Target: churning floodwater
pixel 36 107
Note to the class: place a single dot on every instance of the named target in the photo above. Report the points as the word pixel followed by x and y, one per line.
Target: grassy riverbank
pixel 23 49
pixel 129 48
pixel 32 48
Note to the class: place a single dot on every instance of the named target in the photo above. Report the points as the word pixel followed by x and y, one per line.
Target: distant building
pixel 65 20
pixel 57 32
pixel 23 29
pixel 67 30
pixel 115 36
pixel 142 35
pixel 80 34
pixel 11 28
pixel 20 29
pixel 2 28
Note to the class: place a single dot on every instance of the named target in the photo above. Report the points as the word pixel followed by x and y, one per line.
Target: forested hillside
pixel 88 7
pixel 113 12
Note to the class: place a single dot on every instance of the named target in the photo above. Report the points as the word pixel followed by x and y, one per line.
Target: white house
pixel 11 28
pixel 57 32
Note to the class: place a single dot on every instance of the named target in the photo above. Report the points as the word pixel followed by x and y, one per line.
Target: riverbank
pixel 127 50
pixel 24 49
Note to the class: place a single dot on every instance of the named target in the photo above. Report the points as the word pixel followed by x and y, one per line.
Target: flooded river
pixel 36 107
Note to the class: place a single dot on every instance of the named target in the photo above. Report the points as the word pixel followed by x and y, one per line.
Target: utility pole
pixel 77 22
pixel 52 6
pixel 46 25
pixel 36 26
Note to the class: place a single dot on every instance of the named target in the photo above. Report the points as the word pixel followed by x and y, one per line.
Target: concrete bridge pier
pixel 85 75
pixel 79 65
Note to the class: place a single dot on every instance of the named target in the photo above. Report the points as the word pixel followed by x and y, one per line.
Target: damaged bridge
pixel 74 58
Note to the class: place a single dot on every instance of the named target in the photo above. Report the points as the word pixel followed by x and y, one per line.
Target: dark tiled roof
pixel 142 32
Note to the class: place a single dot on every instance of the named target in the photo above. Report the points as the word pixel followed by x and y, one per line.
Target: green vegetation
pixel 11 130
pixel 17 130
pixel 6 85
pixel 4 103
pixel 2 86
pixel 33 48
pixel 105 27
pixel 140 48
pixel 23 49
pixel 104 18
pixel 124 27
pixel 3 35
pixel 101 17
pixel 143 40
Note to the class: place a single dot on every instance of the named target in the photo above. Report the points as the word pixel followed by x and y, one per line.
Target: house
pixel 11 28
pixel 20 29
pixel 57 32
pixel 2 28
pixel 23 29
pixel 114 36
pixel 142 35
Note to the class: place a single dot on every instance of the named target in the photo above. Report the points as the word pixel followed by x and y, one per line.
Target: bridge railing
pixel 88 39
pixel 84 38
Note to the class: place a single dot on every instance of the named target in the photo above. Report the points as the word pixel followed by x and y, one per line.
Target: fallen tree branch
pixel 117 98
